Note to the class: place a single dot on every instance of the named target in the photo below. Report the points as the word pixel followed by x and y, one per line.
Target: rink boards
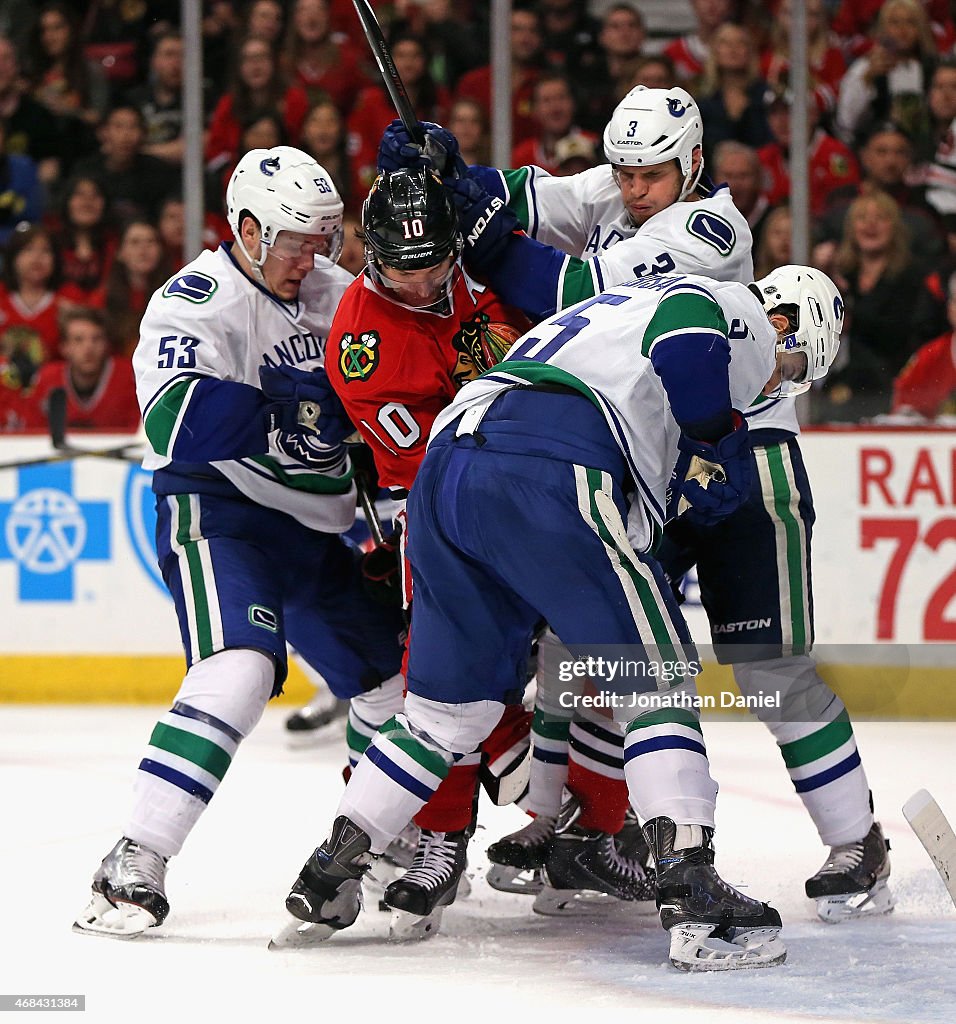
pixel 86 616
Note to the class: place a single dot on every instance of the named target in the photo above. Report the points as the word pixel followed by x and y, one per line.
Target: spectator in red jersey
pixel 374 110
pixel 552 105
pixel 526 66
pixel 138 270
pixel 29 303
pixel 827 63
pixel 731 91
pixel 926 386
pixel 832 164
pixel 87 238
pixel 890 81
pixel 689 53
pixel 257 86
pixel 466 121
pixel 854 20
pixel 323 137
pixel 100 388
pixel 320 63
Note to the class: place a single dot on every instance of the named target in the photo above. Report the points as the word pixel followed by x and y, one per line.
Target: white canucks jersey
pixel 211 322
pixel 603 348
pixel 582 214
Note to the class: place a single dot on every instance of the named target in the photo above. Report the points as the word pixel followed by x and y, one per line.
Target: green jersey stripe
pixel 202 752
pixel 680 313
pixel 543 373
pixel 785 504
pixel 818 744
pixel 309 483
pixel 517 194
pixel 161 423
pixel 576 282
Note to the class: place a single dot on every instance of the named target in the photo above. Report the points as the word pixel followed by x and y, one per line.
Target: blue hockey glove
pixel 397 149
pixel 486 223
pixel 717 478
pixel 303 402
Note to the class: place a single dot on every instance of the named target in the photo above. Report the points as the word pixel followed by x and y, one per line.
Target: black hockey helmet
pixel 409 221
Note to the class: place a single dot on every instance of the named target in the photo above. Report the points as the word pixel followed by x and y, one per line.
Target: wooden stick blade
pixel 936 834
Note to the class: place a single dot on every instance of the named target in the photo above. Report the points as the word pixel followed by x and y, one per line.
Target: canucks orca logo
pixel 193 287
pixel 358 357
pixel 838 309
pixel 713 230
pixel 269 166
pixel 675 107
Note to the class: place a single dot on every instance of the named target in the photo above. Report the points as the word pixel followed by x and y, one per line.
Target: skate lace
pixel 843 858
pixel 623 866
pixel 435 860
pixel 143 865
pixel 538 830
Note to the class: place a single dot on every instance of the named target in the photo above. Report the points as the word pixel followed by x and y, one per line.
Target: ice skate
pixel 852 881
pixel 128 893
pixel 516 859
pixel 327 895
pixel 713 927
pixel 420 896
pixel 305 726
pixel 585 871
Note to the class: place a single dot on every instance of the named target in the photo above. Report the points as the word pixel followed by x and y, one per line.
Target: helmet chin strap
pixel 254 265
pixel 691 181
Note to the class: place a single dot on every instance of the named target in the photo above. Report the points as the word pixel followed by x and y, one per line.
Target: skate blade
pixel 849 907
pixel 584 903
pixel 524 881
pixel 405 927
pixel 119 920
pixel 693 948
pixel 296 934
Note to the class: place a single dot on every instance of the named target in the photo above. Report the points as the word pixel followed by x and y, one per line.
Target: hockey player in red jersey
pixel 407 334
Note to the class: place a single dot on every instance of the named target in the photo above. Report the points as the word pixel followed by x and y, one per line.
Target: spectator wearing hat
pixel 574 153
pixel 552 106
pixel 832 164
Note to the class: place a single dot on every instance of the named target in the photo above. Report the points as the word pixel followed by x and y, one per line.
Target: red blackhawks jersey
pixel 927 384
pixel 395 367
pixel 112 404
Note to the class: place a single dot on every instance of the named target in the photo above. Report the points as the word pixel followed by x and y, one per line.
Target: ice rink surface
pixel 65 778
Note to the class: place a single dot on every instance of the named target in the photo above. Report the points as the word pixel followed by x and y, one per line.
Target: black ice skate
pixel 852 882
pixel 327 895
pixel 430 884
pixel 713 927
pixel 394 862
pixel 305 726
pixel 585 869
pixel 128 893
pixel 517 859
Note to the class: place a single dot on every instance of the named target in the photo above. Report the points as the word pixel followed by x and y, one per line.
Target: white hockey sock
pixel 666 767
pixel 368 711
pixel 191 747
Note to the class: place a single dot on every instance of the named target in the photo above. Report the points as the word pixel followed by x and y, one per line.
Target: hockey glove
pixel 486 223
pixel 303 402
pixel 381 575
pixel 717 479
pixel 397 149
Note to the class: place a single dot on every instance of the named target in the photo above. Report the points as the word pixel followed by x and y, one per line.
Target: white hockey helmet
pixel 285 190
pixel 814 307
pixel 652 126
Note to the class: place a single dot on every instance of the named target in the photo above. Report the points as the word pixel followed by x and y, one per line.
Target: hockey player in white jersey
pixel 648 211
pixel 254 488
pixel 518 513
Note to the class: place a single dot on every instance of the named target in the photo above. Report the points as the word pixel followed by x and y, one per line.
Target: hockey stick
pixel 386 66
pixel 371 512
pixel 936 834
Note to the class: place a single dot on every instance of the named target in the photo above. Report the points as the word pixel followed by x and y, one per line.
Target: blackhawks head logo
pixel 481 344
pixel 358 357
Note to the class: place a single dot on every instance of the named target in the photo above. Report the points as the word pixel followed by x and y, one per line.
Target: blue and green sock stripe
pixel 549 738
pixel 664 729
pixel 822 757
pixel 406 761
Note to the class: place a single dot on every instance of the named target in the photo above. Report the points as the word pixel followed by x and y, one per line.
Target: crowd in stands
pixel 91 148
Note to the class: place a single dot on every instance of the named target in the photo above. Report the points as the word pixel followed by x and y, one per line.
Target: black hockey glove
pixel 716 481
pixel 303 402
pixel 486 223
pixel 440 152
pixel 381 575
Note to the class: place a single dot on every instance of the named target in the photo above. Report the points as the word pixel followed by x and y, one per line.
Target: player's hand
pixel 303 401
pixel 440 152
pixel 381 577
pixel 717 478
pixel 486 223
